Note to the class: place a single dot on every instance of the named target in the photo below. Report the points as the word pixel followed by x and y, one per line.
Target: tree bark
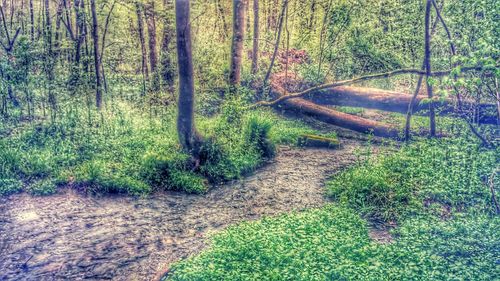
pixel 237 42
pixel 32 22
pixel 189 139
pixel 80 33
pixel 151 26
pixel 276 45
pixel 255 49
pixel 140 32
pixel 49 59
pixel 167 65
pixel 341 119
pixel 223 18
pixel 97 61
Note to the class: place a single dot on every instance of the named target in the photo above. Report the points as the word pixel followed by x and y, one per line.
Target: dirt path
pixel 72 236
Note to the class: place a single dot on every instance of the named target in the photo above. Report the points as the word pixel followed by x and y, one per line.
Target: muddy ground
pixel 73 236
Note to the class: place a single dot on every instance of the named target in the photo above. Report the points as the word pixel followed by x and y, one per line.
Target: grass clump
pixel 169 171
pixel 298 246
pixel 43 187
pixel 448 173
pixel 10 186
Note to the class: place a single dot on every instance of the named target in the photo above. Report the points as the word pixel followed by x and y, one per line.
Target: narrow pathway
pixel 71 236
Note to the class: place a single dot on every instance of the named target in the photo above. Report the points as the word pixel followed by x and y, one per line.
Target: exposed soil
pixel 73 236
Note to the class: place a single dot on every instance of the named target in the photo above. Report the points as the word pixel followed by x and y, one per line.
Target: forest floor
pixel 70 235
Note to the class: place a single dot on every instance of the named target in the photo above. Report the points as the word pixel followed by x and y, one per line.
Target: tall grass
pixel 128 150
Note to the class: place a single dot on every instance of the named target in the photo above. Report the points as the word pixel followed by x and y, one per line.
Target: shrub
pixel 100 176
pixel 43 187
pixel 257 135
pixel 188 181
pixel 449 173
pixel 10 186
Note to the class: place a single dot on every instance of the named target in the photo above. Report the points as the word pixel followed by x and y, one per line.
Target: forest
pixel 249 140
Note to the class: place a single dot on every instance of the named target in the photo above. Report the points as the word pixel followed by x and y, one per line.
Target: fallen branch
pixel 286 96
pixel 307 140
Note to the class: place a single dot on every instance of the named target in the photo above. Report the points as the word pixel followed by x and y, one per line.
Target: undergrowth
pixel 126 150
pixel 447 229
pixel 450 173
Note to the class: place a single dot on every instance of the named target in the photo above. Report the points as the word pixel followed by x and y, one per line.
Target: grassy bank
pixel 432 190
pixel 127 150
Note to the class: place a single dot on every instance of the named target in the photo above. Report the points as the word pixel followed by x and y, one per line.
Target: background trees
pixel 62 54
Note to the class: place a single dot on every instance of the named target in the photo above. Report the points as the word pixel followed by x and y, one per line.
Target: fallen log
pixel 341 119
pixel 367 78
pixel 395 102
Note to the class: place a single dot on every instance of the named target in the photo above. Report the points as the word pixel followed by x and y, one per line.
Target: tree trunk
pixel 276 45
pixel 189 139
pixel 49 59
pixel 58 35
pixel 97 61
pixel 223 18
pixel 255 49
pixel 237 42
pixel 151 25
pixel 140 31
pixel 167 65
pixel 432 114
pixel 32 22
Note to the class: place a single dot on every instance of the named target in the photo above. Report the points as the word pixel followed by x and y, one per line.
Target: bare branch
pixel 361 79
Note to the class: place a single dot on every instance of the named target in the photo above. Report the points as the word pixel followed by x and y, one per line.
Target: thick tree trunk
pixel 97 61
pixel 395 102
pixel 255 49
pixel 189 139
pixel 237 42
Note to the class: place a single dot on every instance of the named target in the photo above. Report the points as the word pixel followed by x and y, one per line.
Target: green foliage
pixel 291 247
pixel 455 237
pixel 108 177
pixel 394 186
pixel 122 150
pixel 257 134
pixel 332 243
pixel 169 171
pixel 10 186
pixel 43 187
